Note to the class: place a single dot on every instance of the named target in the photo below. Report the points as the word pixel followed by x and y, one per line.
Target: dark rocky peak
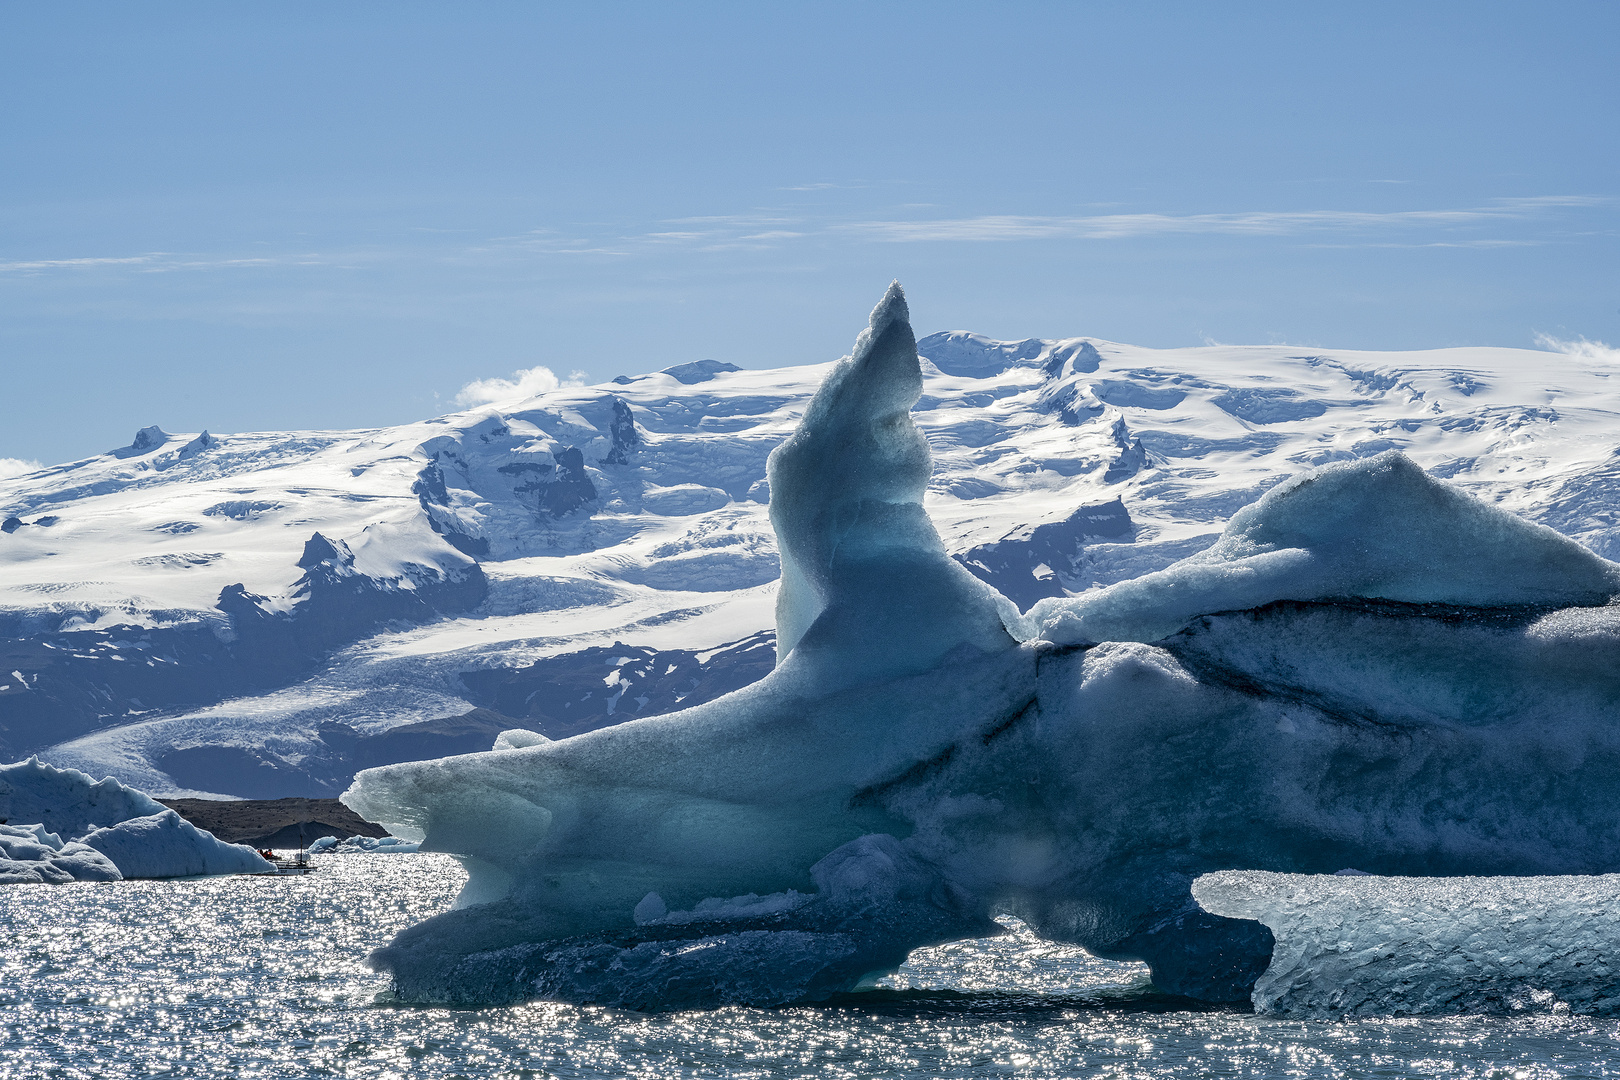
pixel 318 549
pixel 431 491
pixel 1132 457
pixel 429 485
pixel 243 606
pixel 974 356
pixel 571 489
pixel 622 434
pixel 196 446
pixel 1072 401
pixel 147 440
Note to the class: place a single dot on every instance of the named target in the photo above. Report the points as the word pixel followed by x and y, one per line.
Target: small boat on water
pixel 287 864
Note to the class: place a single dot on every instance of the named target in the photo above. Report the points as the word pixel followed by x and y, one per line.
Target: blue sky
pixel 246 217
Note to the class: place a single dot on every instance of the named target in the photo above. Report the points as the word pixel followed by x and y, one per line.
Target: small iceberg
pixel 85 830
pixel 1363 945
pixel 369 845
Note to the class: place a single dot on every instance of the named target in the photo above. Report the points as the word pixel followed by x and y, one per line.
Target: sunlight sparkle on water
pixel 253 978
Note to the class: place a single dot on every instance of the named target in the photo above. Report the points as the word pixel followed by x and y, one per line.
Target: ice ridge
pixel 1377 528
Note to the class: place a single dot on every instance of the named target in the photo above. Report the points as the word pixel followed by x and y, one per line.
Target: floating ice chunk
pixel 1362 945
pixel 1379 528
pixel 166 845
pixel 30 855
pixel 131 831
pixel 517 738
pixel 374 845
pixel 651 907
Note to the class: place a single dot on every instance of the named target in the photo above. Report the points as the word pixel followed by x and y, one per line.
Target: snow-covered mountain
pixel 263 614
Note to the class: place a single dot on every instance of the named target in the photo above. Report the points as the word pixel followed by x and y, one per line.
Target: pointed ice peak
pixel 866 584
pixel 892 308
pixel 196 446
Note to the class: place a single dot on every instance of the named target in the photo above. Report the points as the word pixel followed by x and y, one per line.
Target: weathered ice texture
pixel 1377 946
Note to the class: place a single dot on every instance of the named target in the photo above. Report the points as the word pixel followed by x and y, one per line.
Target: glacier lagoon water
pixel 264 977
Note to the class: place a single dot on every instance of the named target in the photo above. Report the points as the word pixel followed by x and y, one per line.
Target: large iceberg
pixel 1363 945
pixel 112 832
pixel 1370 668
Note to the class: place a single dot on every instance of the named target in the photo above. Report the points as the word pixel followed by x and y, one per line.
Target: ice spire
pixel 864 574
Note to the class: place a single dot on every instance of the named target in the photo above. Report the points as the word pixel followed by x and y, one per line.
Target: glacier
pixel 1368 667
pixel 1378 946
pixel 113 832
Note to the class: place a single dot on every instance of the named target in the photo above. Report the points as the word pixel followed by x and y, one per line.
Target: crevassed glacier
pixel 1368 669
pixel 1356 946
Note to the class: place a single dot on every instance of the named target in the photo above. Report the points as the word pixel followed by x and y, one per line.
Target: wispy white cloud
pixel 1002 227
pixel 10 466
pixel 1436 244
pixel 742 221
pixel 765 228
pixel 77 264
pixel 525 383
pixel 1580 348
pixel 159 262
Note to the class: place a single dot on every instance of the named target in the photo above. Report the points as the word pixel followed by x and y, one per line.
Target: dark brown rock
pixel 273 823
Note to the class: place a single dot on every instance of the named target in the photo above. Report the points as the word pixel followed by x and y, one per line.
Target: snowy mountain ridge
pixel 255 614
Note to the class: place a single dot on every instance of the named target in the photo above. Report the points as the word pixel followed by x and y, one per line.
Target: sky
pixel 304 215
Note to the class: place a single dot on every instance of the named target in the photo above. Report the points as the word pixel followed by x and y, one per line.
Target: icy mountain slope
pixel 249 614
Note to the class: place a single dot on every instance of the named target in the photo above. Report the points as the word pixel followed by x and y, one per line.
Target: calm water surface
pixel 256 977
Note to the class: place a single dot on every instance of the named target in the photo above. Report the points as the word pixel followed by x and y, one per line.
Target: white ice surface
pixel 1379 946
pixel 29 855
pixel 375 845
pixel 1377 528
pixel 131 831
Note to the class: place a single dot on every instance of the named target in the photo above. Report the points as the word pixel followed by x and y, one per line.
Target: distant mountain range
pixel 261 615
